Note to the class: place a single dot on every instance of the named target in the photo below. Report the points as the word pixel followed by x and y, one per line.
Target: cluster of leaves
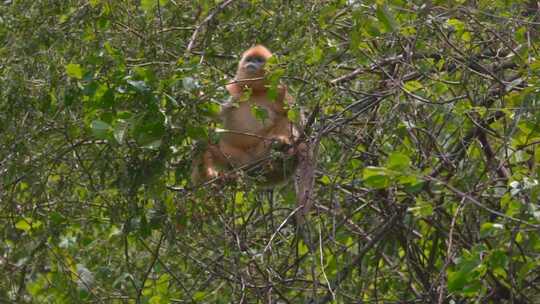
pixel 426 186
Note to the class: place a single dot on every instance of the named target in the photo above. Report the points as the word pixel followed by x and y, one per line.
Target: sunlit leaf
pixel 398 161
pixel 376 177
pixel 74 70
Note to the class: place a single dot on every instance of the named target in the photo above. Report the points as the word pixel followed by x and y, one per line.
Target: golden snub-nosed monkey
pixel 248 141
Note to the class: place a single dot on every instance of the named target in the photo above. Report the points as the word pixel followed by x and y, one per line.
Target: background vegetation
pixel 427 133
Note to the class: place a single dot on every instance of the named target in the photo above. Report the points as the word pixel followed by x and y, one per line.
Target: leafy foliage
pixel 427 179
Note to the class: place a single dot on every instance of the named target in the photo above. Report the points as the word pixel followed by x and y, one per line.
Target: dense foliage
pixel 425 121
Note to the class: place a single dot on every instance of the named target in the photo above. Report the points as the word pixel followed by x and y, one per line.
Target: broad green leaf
pixel 456 280
pixel 274 76
pixel 398 161
pixel 28 224
pixel 38 285
pixel 148 5
pixel 120 131
pixel 156 300
pixel 199 132
pixel 199 295
pixel 498 261
pixel 260 113
pixel 376 177
pixel 100 129
pixel 74 70
pixel 457 24
pixel 302 247
pixel 466 278
pixel 153 145
pixel 325 180
pixel 272 93
pixel 23 225
pixel 490 229
pixel 293 115
pixel 149 129
pixel 413 86
pixel 239 197
pixel 315 56
pixel 466 37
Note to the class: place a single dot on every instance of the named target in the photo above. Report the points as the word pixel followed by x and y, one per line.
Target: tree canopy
pixel 423 116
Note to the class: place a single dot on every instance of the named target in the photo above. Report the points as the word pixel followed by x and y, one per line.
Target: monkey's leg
pixel 207 165
pixel 235 156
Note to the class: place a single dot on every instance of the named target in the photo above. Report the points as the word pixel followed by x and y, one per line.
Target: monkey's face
pixel 253 65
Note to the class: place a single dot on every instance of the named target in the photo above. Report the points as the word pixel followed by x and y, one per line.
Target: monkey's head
pixel 251 66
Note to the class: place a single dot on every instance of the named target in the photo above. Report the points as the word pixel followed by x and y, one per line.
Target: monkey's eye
pixel 255 59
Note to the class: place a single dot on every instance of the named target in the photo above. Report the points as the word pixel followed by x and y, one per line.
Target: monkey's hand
pixel 289 149
pixel 278 145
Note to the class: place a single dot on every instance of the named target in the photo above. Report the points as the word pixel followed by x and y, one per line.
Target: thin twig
pixel 203 24
pixel 477 203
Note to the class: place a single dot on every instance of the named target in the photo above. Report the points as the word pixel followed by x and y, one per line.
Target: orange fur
pixel 248 139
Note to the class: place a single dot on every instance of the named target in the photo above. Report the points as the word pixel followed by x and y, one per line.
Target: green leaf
pixel 293 115
pixel 315 56
pixel 466 37
pixel 23 225
pixel 100 129
pixel 466 278
pixel 38 285
pixel 413 86
pixel 272 93
pixel 28 224
pixel 498 261
pixel 456 280
pixel 199 295
pixel 457 24
pixel 74 70
pixel 422 208
pixel 290 197
pixel 189 83
pixel 239 197
pixel 408 179
pixel 149 129
pixel 148 5
pixel 200 132
pixel 94 3
pixel 325 180
pixel 104 96
pixel 302 247
pixel 398 161
pixel 120 131
pixel 490 229
pixel 274 76
pixel 260 113
pixel 139 85
pixel 376 177
pixel 386 18
pixel 155 300
pixel 153 145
